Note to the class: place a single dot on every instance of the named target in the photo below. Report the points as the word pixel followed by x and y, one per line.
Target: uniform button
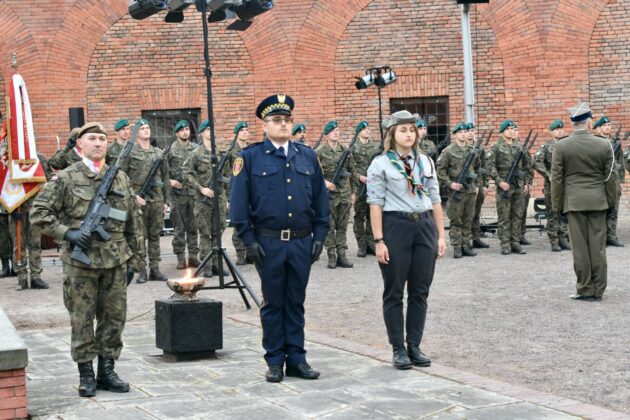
pixel 290 197
pixel 264 173
pixel 289 180
pixel 288 165
pixel 290 214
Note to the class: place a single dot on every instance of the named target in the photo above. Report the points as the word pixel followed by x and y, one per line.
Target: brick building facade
pixel 532 59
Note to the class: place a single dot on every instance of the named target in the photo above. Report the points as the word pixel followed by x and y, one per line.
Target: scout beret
pixel 556 124
pixel 75 132
pixel 204 124
pixel 360 127
pixel 298 129
pixel 580 112
pixel 180 124
pixel 91 127
pixel 601 121
pixel 459 127
pixel 239 126
pixel 330 127
pixel 400 117
pixel 421 123
pixel 506 124
pixel 275 105
pixel 142 122
pixel 120 124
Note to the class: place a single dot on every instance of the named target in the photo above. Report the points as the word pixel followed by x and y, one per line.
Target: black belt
pixel 284 234
pixel 415 217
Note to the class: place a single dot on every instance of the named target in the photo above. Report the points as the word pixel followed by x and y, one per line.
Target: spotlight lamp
pixel 365 81
pixel 142 9
pixel 380 76
pixel 386 79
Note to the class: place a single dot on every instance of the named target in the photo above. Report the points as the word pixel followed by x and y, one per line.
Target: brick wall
pixel 13 401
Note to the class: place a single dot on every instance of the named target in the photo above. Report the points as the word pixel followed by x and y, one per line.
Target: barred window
pixel 433 109
pixel 163 121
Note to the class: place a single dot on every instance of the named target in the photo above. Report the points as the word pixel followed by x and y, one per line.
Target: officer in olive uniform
pixel 100 289
pixel 183 200
pixel 363 151
pixel 603 128
pixel 341 197
pixel 137 166
pixel 481 170
pixel 509 198
pixel 241 131
pixel 427 146
pixel 298 133
pixel 67 156
pixel 583 186
pixel 461 207
pixel 556 227
pixel 123 133
pixel 198 174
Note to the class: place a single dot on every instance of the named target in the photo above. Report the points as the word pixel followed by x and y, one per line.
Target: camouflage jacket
pixel 626 156
pixel 427 146
pixel 328 159
pixel 198 172
pixel 499 161
pixel 64 202
pixel 113 151
pixel 137 166
pixel 621 172
pixel 450 164
pixel 64 158
pixel 542 159
pixel 363 155
pixel 175 159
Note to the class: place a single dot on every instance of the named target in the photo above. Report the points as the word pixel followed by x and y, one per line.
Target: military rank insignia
pixel 238 166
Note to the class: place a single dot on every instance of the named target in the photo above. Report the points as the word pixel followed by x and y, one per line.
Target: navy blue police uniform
pixel 281 203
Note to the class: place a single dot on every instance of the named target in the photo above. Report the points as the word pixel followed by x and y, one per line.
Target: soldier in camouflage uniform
pixel 241 131
pixel 471 138
pixel 556 227
pixel 603 128
pixel 363 151
pixel 527 195
pixel 299 132
pixel 100 289
pixel 427 146
pixel 5 245
pixel 340 198
pixel 460 211
pixel 509 198
pixel 183 199
pixel 626 157
pixel 137 166
pixel 123 133
pixel 67 156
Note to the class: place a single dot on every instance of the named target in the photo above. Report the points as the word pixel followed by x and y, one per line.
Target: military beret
pixel 469 126
pixel 204 124
pixel 400 117
pixel 275 104
pixel 91 127
pixel 239 126
pixel 298 128
pixel 180 124
pixel 330 127
pixel 601 121
pixel 459 127
pixel 142 122
pixel 120 124
pixel 359 127
pixel 421 123
pixel 556 124
pixel 506 124
pixel 580 112
pixel 75 132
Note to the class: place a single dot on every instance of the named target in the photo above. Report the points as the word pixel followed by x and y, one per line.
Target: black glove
pixel 611 213
pixel 130 274
pixel 256 253
pixel 76 237
pixel 318 247
pixel 71 143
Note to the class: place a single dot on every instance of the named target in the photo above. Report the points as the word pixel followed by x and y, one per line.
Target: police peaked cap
pixel 400 117
pixel 360 127
pixel 204 124
pixel 601 121
pixel 238 127
pixel 298 129
pixel 275 105
pixel 507 124
pixel 180 124
pixel 330 126
pixel 120 124
pixel 555 124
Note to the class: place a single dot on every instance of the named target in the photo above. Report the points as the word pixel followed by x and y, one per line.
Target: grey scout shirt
pixel 387 187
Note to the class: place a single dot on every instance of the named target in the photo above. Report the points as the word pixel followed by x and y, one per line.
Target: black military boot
pixel 362 250
pixel 240 258
pixel 506 249
pixel 516 248
pixel 342 261
pixel 156 275
pixel 457 252
pixel 400 359
pixel 107 379
pixel 467 252
pixel 193 261
pixel 478 243
pixel 37 283
pixel 555 247
pixel 564 244
pixel 371 249
pixel 22 284
pixel 524 241
pixel 6 270
pixel 87 382
pixel 181 261
pixel 614 242
pixel 142 275
pixel 417 357
pixel 215 270
pixel 332 260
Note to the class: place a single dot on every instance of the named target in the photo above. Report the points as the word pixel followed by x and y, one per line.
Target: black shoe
pixel 6 270
pixel 142 276
pixel 332 262
pixel 564 244
pixel 524 241
pixel 274 374
pixel 207 273
pixel 417 357
pixel 516 248
pixel 343 262
pixel 400 359
pixel 38 284
pixel 614 242
pixel 181 262
pixel 107 379
pixel 478 243
pixel 156 275
pixel 371 249
pixel 240 259
pixel 555 247
pixel 87 382
pixel 467 252
pixel 457 252
pixel 597 298
pixel 506 250
pixel 22 284
pixel 193 262
pixel 215 271
pixel 303 370
pixel 582 297
pixel 362 251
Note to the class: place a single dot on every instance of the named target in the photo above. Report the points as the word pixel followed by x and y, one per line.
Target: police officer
pixel 241 131
pixel 69 155
pixel 298 133
pixel 483 189
pixel 123 133
pixel 460 210
pixel 509 198
pixel 363 151
pixel 427 146
pixel 183 201
pixel 282 217
pixel 341 198
pixel 137 166
pixel 603 128
pixel 556 227
pixel 100 289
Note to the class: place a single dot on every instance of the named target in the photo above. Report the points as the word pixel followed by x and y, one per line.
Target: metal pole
pixel 380 113
pixel 469 81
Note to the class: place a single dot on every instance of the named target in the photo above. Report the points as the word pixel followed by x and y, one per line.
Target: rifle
pixel 464 174
pixel 618 142
pixel 340 172
pixel 214 184
pixel 440 147
pixel 99 211
pixel 363 190
pixel 150 182
pixel 193 131
pixel 319 141
pixel 515 172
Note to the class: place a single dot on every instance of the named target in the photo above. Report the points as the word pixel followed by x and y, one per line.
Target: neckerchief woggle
pixel 414 185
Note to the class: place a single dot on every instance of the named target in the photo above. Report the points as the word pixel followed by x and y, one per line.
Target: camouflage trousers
pixel 339 214
pixel 611 220
pixel 5 234
pixel 184 225
pixel 510 213
pixel 526 198
pixel 205 214
pixel 152 225
pixel 362 226
pixel 556 228
pixel 100 294
pixel 31 249
pixel 476 223
pixel 460 214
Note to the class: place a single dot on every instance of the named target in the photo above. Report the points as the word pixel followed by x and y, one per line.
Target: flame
pixel 188 274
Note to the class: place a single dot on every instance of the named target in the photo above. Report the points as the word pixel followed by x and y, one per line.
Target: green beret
pixel 180 124
pixel 421 123
pixel 360 127
pixel 142 122
pixel 505 125
pixel 601 121
pixel 120 124
pixel 238 127
pixel 556 124
pixel 469 126
pixel 459 127
pixel 204 124
pixel 298 128
pixel 330 127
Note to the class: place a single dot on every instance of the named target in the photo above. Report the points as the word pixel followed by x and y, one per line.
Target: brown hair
pixel 388 143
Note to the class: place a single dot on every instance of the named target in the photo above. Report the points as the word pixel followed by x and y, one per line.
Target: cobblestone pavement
pixel 232 386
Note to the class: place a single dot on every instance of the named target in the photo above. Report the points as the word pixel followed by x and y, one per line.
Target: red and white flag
pixel 21 172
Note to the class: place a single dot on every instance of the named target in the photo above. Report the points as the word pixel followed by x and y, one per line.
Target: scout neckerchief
pixel 414 185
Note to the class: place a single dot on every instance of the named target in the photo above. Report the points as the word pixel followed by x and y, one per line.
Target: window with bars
pixel 163 121
pixel 433 109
